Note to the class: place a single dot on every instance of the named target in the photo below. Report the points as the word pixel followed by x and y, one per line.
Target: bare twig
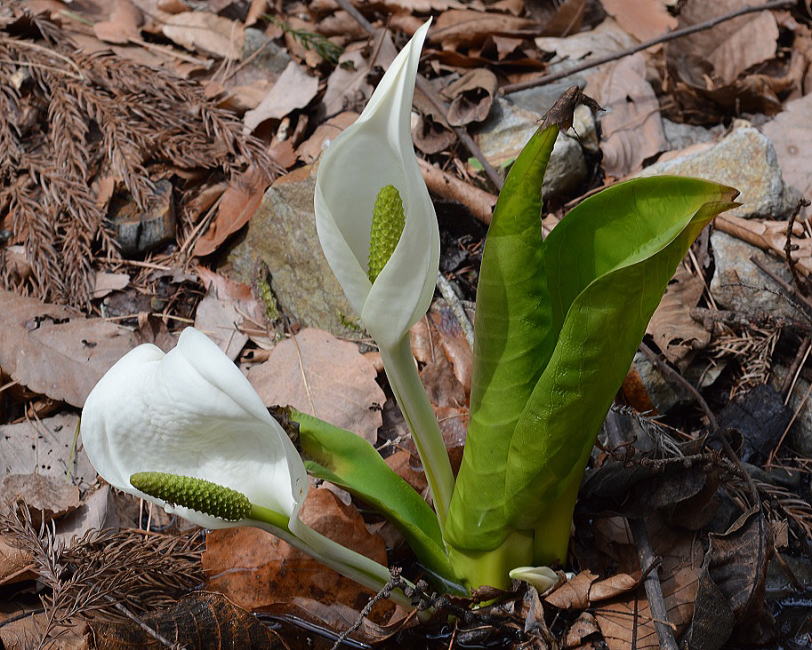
pixel 789 247
pixel 651 582
pixel 147 629
pixel 439 105
pixel 479 202
pixel 802 301
pixel 795 369
pixel 670 36
pixel 393 583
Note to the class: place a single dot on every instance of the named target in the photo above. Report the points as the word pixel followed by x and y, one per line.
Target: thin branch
pixel 651 582
pixel 670 36
pixel 440 106
pixel 147 629
pixel 802 301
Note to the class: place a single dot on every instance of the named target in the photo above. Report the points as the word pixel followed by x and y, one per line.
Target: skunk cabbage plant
pixel 557 324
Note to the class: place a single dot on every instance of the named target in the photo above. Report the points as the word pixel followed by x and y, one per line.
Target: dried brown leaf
pixel 221 313
pixel 47 448
pixel 294 89
pixel 465 28
pixel 471 97
pixel 403 464
pixel 348 87
pixel 673 329
pixel 574 593
pixel 196 617
pixel 567 19
pixel 238 204
pixel 122 25
pixel 46 496
pixel 206 32
pixel 256 569
pixel 310 150
pixel 791 133
pixel 731 47
pixel 628 623
pixel 643 19
pixel 107 282
pixel 323 376
pixel 14 562
pixel 53 351
pixel 631 129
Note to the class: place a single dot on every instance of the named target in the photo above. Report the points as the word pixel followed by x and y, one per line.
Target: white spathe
pixel 373 152
pixel 190 412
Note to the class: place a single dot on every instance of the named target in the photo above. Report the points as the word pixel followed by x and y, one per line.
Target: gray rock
pixel 509 128
pixel 540 99
pixel 282 234
pixel 746 160
pixel 680 136
pixel 661 392
pixel 272 58
pixel 738 284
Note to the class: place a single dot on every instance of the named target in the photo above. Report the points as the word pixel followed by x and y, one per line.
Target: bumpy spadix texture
pixel 388 221
pixel 194 493
pixel 190 412
pixel 372 153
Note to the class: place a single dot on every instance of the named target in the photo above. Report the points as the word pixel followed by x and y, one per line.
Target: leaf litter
pixel 172 120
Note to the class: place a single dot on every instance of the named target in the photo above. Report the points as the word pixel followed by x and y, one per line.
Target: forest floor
pixel 157 171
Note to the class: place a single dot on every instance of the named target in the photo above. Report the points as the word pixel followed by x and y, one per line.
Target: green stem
pixel 348 563
pixel 414 404
pixel 553 530
pixel 480 568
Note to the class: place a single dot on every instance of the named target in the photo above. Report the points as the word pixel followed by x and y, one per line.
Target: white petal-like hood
pixel 190 412
pixel 374 152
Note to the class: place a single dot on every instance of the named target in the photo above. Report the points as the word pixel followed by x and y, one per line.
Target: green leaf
pixel 349 461
pixel 606 267
pixel 510 347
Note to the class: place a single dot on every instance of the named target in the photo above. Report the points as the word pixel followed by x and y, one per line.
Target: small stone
pixel 682 136
pixel 540 99
pixel 137 232
pixel 740 285
pixel 282 234
pixel 746 160
pixel 508 130
pixel 272 58
pixel 663 394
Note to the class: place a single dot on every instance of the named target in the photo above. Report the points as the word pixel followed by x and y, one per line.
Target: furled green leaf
pixel 606 266
pixel 349 461
pixel 511 347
